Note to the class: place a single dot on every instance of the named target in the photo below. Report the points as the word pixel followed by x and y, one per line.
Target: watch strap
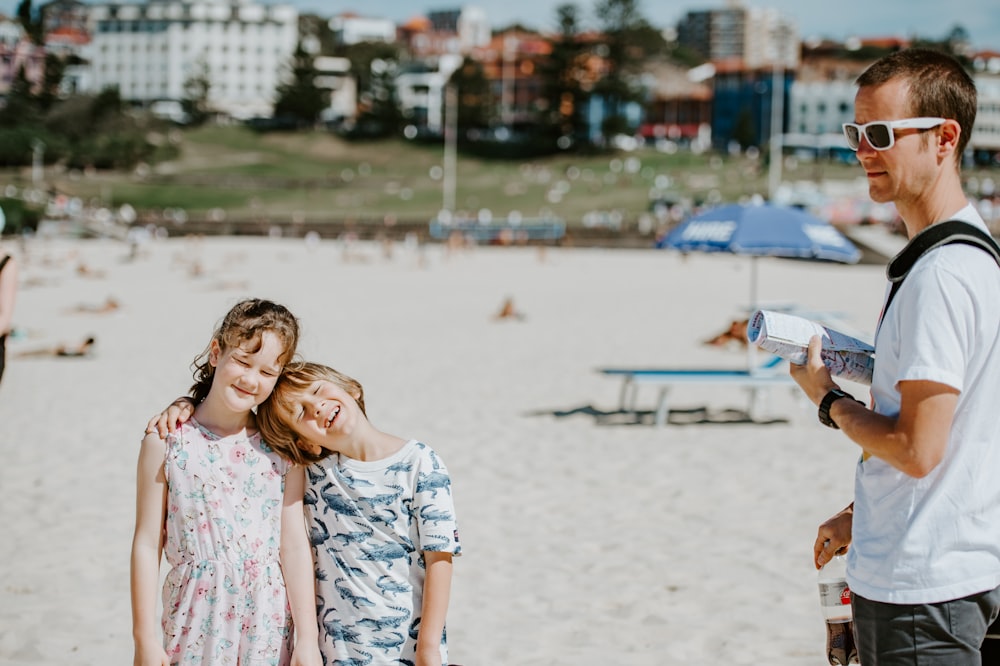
pixel 832 396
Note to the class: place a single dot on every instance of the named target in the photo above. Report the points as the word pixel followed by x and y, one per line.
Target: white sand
pixel 586 541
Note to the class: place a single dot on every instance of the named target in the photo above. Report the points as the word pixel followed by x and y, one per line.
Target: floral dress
pixel 224 598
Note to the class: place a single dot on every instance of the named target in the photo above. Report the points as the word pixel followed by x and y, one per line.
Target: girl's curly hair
pixel 246 322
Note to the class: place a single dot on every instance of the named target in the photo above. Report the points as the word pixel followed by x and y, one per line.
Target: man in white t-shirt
pixel 924 527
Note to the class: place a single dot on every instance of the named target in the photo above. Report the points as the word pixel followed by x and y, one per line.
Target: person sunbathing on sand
pixel 737 332
pixel 508 311
pixel 61 350
pixel 111 304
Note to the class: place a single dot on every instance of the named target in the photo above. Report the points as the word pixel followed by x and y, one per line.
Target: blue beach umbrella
pixel 761 230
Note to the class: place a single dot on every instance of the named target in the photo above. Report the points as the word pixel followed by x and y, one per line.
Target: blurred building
pixel 437 44
pixel 985 141
pixel 754 36
pixel 442 32
pixel 420 90
pixel 511 61
pixel 679 105
pixel 65 24
pixel 149 51
pixel 822 99
pixel 749 105
pixel 334 76
pixel 351 29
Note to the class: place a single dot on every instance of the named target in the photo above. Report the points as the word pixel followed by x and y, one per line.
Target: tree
pixel 55 67
pixel 380 100
pixel 744 131
pixel 475 101
pixel 107 104
pixel 955 42
pixel 298 97
pixel 21 108
pixel 317 28
pixel 564 76
pixel 197 87
pixel 31 22
pixel 361 57
pixel 629 39
pixel 374 66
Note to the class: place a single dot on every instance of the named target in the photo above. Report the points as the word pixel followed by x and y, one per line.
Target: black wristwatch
pixel 824 406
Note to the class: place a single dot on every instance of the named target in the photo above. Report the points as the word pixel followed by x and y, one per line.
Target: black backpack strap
pixel 943 233
pixel 3 262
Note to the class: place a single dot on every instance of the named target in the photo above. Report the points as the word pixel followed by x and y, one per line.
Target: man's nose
pixel 864 146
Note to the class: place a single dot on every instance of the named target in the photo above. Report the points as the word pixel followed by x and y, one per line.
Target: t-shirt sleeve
pixel 936 329
pixel 434 505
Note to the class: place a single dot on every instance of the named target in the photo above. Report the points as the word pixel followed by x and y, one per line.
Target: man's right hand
pixel 179 411
pixel 833 537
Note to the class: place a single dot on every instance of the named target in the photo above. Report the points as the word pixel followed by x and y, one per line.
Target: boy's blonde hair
pixel 274 414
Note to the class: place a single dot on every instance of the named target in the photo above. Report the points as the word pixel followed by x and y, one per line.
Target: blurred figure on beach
pixel 8 294
pixel 735 334
pixel 509 311
pixel 227 510
pixel 83 348
pixel 109 305
pixel 922 535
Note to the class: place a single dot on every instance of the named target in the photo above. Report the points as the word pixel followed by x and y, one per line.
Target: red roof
pixel 67 35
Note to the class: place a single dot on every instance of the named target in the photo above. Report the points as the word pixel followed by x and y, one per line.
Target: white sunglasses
pixel 879 133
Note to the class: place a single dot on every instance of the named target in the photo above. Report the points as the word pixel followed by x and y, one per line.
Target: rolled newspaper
pixel 788 336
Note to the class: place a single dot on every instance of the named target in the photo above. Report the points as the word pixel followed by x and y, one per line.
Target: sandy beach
pixel 588 538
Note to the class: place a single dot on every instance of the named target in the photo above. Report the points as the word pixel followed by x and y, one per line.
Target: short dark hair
pixel 939 86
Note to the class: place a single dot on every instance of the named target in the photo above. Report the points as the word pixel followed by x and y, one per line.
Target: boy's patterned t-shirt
pixel 369 523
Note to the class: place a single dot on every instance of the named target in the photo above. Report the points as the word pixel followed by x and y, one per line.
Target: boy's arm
pixel 297 567
pixel 437 591
pixel 147 548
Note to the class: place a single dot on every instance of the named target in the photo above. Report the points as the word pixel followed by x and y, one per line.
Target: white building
pixel 821 107
pixel 986 131
pixel 770 38
pixel 760 37
pixel 349 29
pixel 421 93
pixel 148 51
pixel 334 75
pixel 473 29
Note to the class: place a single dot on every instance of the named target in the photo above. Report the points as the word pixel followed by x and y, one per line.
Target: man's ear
pixel 948 137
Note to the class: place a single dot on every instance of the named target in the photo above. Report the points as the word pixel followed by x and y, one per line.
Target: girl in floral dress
pixel 227 511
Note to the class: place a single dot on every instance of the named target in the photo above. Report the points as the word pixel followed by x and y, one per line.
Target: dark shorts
pixel 949 633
